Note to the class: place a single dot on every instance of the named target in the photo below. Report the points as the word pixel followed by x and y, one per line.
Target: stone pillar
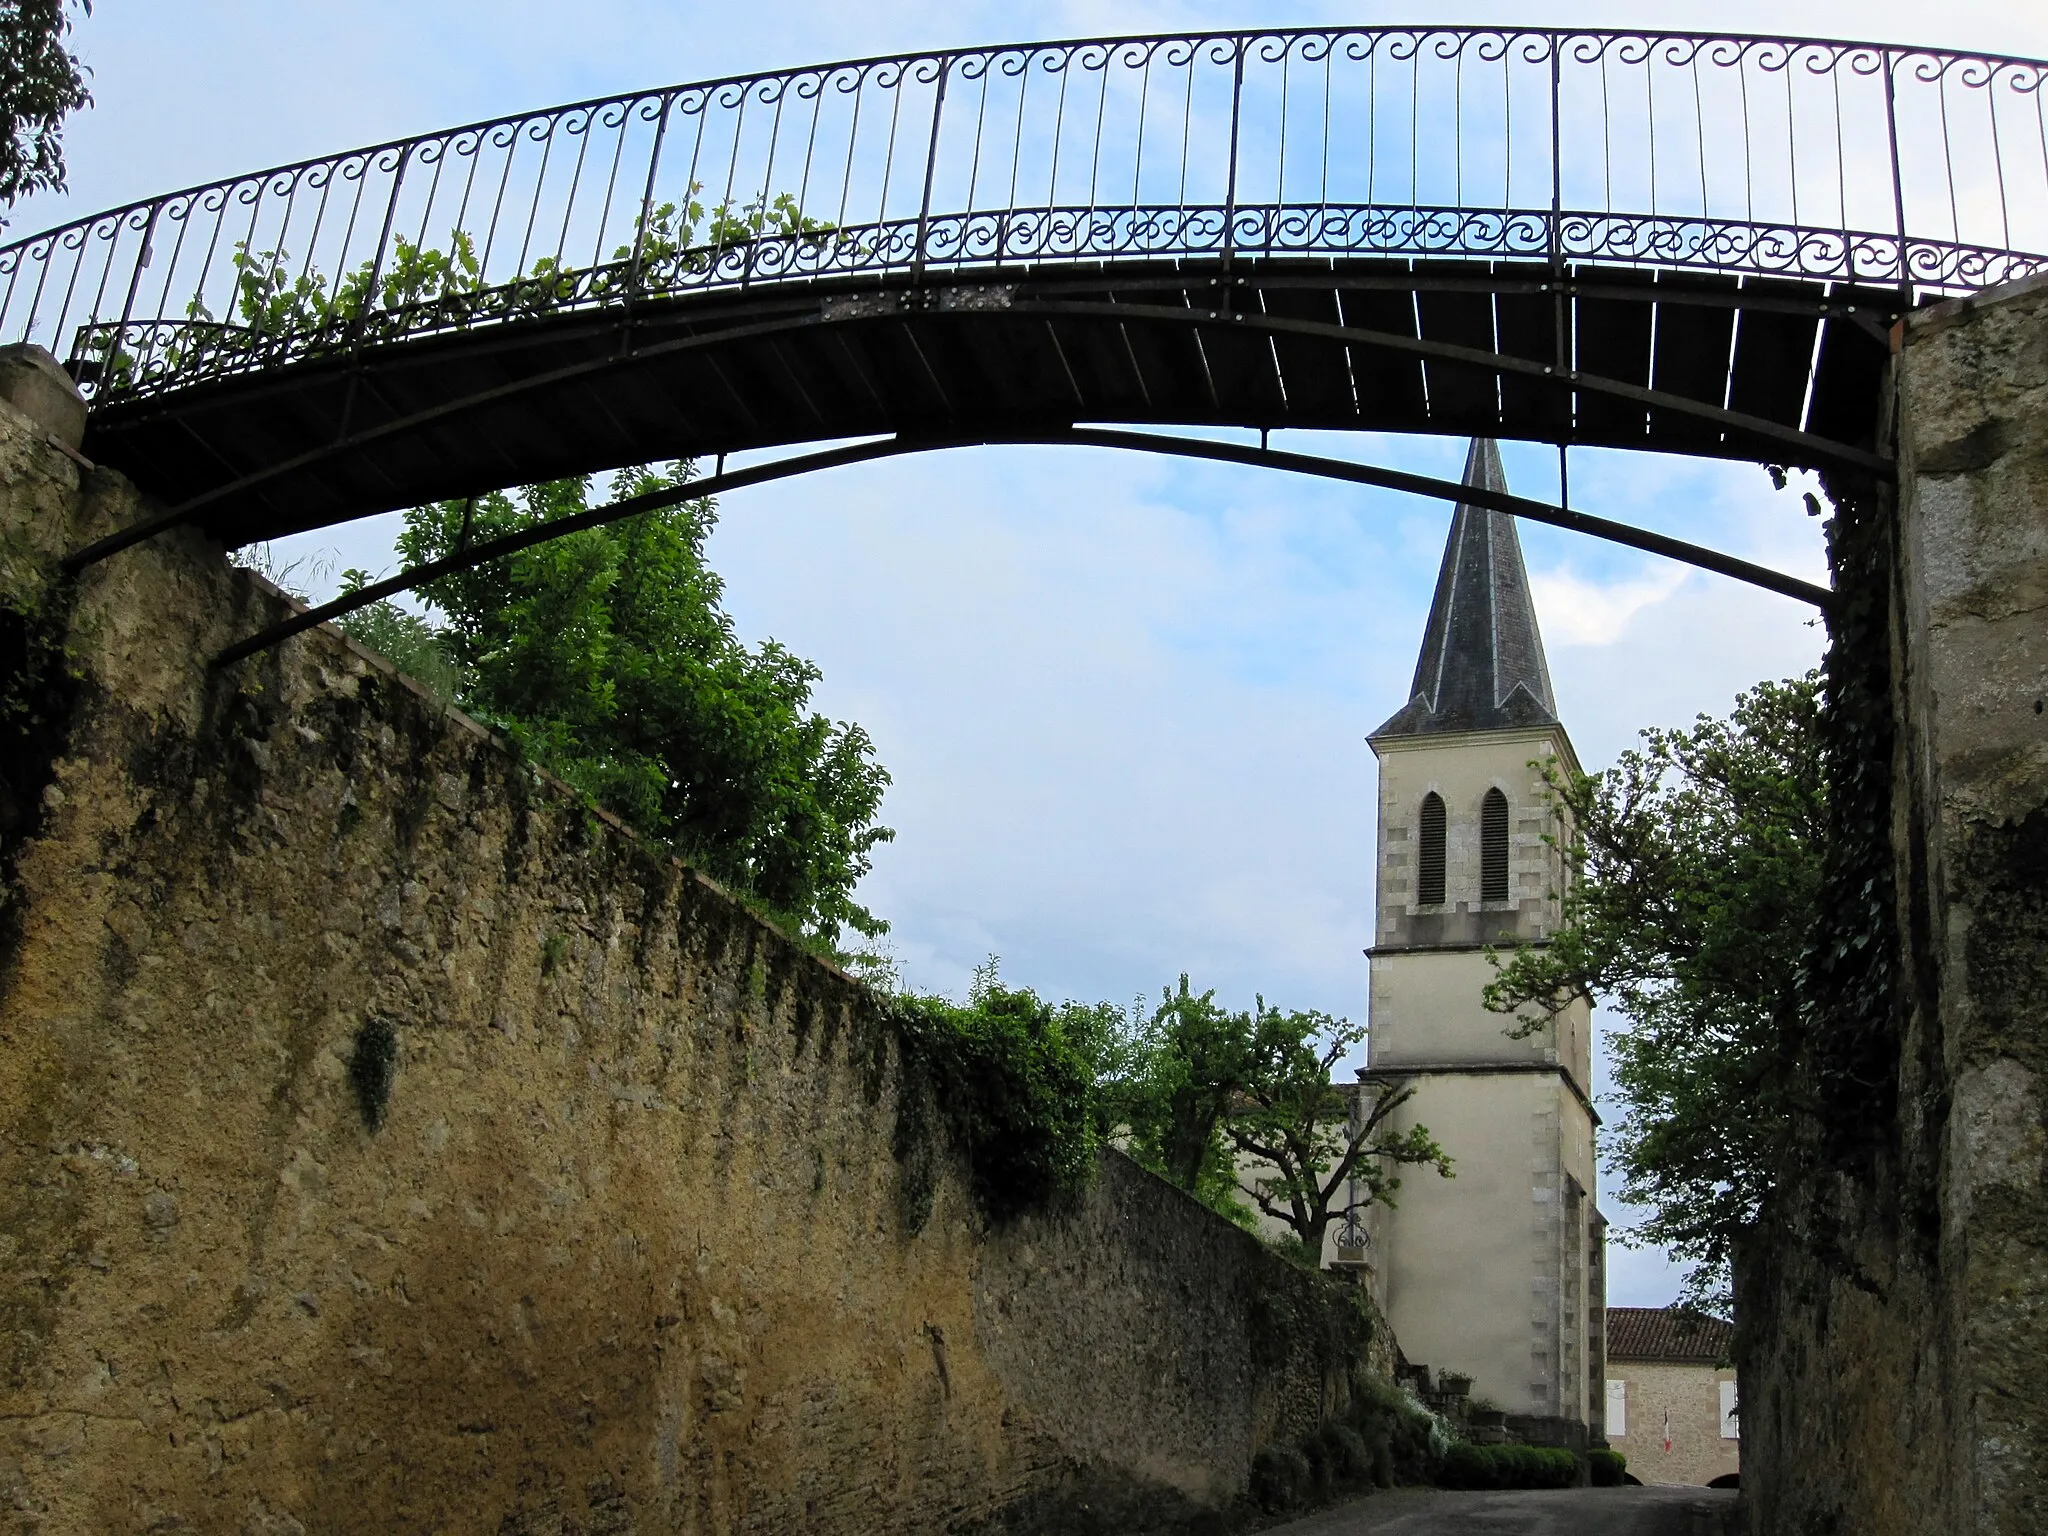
pixel 1971 812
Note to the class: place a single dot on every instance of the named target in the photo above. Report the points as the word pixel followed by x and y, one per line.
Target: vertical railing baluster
pixel 1372 122
pixel 561 125
pixel 1280 175
pixel 1059 130
pixel 1556 239
pixel 889 155
pixel 1998 158
pixel 732 166
pixel 1650 111
pixel 633 267
pixel 135 281
pixel 980 122
pixel 1791 141
pixel 1891 128
pixel 803 185
pixel 163 297
pixel 426 205
pixel 611 189
pixel 1841 166
pixel 498 203
pixel 1458 129
pixel 1507 98
pixel 35 302
pixel 1187 128
pixel 1415 127
pixel 1016 159
pixel 931 166
pixel 1238 47
pixel 1948 156
pixel 71 287
pixel 1748 154
pixel 383 241
pixel 106 271
pixel 1144 106
pixel 860 85
pixel 1699 126
pixel 1561 359
pixel 690 183
pixel 1330 64
pixel 1095 157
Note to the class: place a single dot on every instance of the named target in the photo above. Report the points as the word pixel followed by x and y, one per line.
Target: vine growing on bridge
pixel 273 307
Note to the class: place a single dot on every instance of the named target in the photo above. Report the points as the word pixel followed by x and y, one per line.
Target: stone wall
pixel 1687 1395
pixel 389 1143
pixel 1894 1346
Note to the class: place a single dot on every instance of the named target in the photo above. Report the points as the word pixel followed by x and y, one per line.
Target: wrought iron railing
pixel 1918 171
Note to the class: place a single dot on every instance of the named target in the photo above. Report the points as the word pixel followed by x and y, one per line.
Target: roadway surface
pixel 1550 1512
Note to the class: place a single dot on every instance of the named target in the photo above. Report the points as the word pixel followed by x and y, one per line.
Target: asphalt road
pixel 1550 1512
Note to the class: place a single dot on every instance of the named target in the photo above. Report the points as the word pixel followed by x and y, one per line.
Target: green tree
pixel 41 82
pixel 1695 868
pixel 1177 1072
pixel 606 656
pixel 1331 1151
pixel 1201 1085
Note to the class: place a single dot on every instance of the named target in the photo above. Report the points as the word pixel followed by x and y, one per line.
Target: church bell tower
pixel 1497 1272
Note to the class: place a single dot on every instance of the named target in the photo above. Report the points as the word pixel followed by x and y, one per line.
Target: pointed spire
pixel 1482 666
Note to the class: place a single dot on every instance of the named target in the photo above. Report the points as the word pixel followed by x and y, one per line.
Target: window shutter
pixel 1617 1408
pixel 1493 847
pixel 1429 853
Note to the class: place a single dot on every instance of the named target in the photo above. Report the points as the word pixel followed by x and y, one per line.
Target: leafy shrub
pixel 1350 1458
pixel 1406 1440
pixel 1508 1466
pixel 409 642
pixel 1280 1477
pixel 1609 1468
pixel 1015 1090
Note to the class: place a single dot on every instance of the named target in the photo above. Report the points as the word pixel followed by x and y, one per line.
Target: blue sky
pixel 1124 699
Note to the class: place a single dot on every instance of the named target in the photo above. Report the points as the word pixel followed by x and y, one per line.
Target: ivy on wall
pixel 1849 1014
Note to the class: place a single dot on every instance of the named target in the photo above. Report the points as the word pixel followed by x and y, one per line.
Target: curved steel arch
pixel 1693 243
pixel 471 556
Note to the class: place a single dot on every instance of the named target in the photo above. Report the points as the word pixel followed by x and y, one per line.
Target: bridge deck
pixel 1775 370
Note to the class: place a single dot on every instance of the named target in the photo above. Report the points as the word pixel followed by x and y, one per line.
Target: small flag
pixel 1667 1431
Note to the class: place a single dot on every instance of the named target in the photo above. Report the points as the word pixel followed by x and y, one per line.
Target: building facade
pixel 1671 1396
pixel 1496 1273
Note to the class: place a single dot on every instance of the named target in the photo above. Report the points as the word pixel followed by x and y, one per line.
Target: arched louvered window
pixel 1493 847
pixel 1429 852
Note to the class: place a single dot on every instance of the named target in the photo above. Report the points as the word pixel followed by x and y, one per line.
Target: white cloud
pixel 1574 610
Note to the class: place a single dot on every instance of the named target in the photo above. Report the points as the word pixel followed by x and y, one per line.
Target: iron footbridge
pixel 1681 243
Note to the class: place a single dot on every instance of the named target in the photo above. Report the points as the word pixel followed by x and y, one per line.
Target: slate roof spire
pixel 1482 666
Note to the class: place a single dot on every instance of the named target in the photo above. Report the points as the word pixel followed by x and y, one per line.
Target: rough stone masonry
pixel 389 1143
pixel 1895 1370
